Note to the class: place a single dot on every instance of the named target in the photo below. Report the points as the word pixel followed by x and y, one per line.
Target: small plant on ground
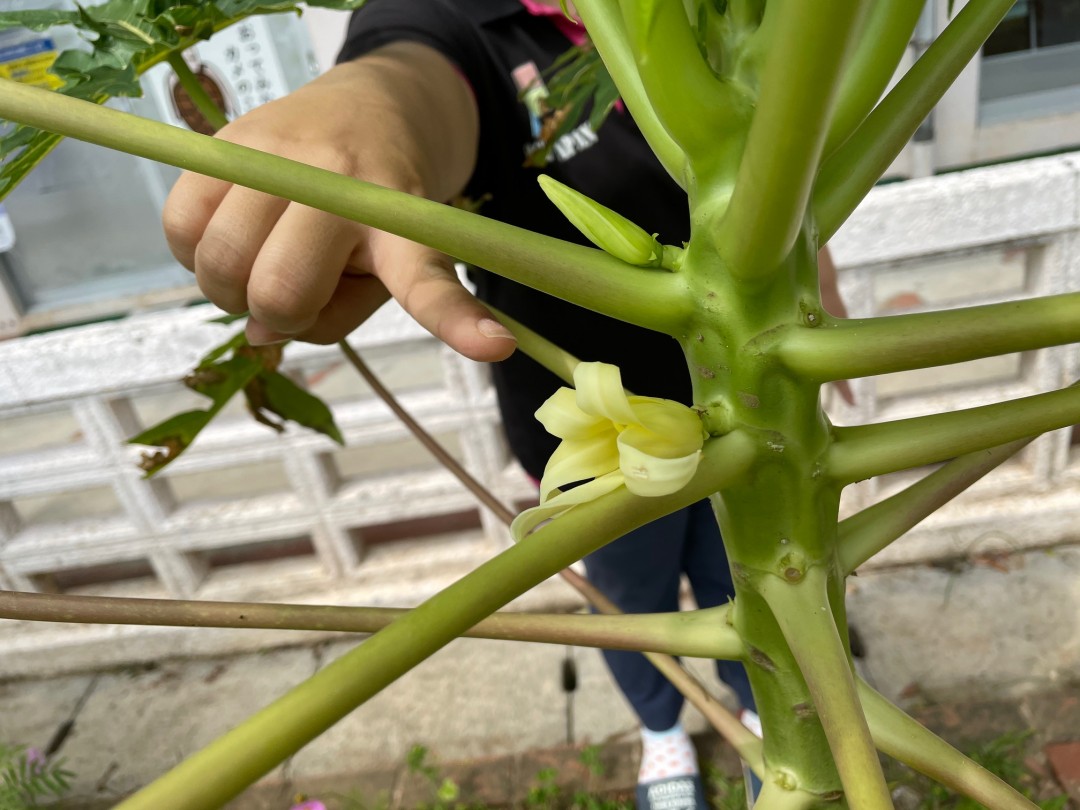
pixel 546 792
pixel 28 779
pixel 445 792
pixel 724 792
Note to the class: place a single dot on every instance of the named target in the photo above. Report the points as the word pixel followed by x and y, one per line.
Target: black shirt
pixel 492 42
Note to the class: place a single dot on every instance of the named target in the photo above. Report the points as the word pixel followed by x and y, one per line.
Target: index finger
pixel 188 210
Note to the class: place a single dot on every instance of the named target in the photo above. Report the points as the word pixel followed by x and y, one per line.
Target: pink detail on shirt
pixel 573 31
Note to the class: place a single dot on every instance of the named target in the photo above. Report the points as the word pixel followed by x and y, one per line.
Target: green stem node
pixel 775 795
pixel 805 615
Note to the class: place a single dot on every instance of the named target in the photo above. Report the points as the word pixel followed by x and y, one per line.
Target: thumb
pixel 424 282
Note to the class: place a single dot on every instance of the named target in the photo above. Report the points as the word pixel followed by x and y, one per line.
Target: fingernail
pixel 491 328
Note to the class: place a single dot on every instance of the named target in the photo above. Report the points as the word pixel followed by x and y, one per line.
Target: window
pixel 1034 24
pixel 1031 63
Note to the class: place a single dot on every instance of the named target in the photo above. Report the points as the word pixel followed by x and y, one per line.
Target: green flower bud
pixel 607 230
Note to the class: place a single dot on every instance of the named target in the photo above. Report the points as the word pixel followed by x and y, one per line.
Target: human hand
pixel 402 118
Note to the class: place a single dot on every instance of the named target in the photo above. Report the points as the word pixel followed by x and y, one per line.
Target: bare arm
pixel 830 289
pixel 834 305
pixel 401 117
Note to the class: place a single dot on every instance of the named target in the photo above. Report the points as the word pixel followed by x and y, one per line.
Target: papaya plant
pixel 770 116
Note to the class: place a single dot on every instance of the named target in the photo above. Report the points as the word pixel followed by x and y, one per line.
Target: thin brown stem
pixel 482 493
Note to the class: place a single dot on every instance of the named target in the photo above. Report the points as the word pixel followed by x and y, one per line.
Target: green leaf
pixel 37 145
pixel 448 791
pixel 217 381
pixel 288 400
pixel 37 20
pixel 252 370
pixel 123 38
pixel 81 71
pixel 174 435
pixel 235 342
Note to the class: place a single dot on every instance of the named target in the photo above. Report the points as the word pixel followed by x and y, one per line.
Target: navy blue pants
pixel 640 573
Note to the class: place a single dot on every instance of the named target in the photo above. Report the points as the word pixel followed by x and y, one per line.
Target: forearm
pixel 830 288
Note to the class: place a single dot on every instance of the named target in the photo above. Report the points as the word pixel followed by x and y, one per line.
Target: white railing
pixel 247 514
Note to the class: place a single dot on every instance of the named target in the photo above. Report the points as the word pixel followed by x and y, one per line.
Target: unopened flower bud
pixel 606 229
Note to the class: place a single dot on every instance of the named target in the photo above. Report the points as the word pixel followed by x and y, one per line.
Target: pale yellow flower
pixel 650 445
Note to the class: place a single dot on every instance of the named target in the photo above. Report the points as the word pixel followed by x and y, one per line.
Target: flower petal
pixel 600 392
pixel 666 429
pixel 652 476
pixel 578 460
pixel 528 520
pixel 561 416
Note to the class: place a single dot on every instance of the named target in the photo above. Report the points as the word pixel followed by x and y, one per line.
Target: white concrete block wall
pixel 320 515
pixel 76 514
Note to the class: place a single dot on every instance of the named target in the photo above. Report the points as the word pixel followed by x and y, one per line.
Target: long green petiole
pixel 805 617
pixel 864 534
pixel 867 450
pixel 196 92
pixel 882 40
pixel 698 634
pixel 852 171
pixel 677 78
pixel 904 739
pixel 787 134
pixel 584 276
pixel 558 361
pixel 846 349
pixel 603 20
